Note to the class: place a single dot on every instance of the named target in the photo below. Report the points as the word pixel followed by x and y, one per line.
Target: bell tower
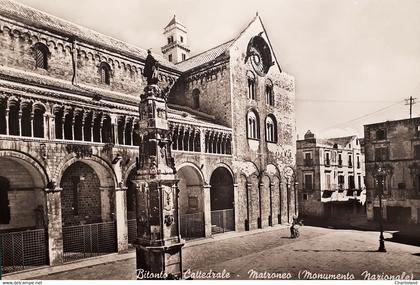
pixel 176 48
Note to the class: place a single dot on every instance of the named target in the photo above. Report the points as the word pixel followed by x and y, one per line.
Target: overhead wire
pixel 364 116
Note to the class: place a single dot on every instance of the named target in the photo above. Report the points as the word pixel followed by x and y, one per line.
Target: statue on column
pixel 158 244
pixel 151 69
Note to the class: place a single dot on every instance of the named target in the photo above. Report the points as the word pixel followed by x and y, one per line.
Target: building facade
pixel 69 135
pixel 331 177
pixel 392 168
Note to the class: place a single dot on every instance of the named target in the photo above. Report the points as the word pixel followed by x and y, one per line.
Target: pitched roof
pixel 211 54
pixel 204 57
pixel 174 21
pixel 342 141
pixel 40 19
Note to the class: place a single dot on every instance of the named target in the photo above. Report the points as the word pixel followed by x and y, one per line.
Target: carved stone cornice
pixel 80 150
pixel 208 74
pixel 121 58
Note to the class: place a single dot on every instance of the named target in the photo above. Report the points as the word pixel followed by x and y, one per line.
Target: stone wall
pixel 88 203
pixel 79 62
pixel 255 156
pixel 400 184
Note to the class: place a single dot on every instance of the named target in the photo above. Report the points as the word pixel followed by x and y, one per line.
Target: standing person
pixel 294 228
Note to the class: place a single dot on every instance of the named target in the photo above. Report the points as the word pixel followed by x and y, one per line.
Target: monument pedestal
pixel 158 244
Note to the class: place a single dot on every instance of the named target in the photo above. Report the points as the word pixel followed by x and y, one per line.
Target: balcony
pixel 308 162
pixel 327 162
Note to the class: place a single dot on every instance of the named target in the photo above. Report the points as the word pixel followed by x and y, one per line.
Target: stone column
pixel 47 126
pixel 7 120
pixel 121 218
pixel 20 122
pixel 105 203
pixel 207 210
pixel 92 123
pixel 270 217
pixel 248 201
pixel 131 133
pixel 55 225
pixel 73 125
pixel 101 125
pixel 114 129
pixel 236 204
pixel 260 204
pixel 83 125
pixel 31 122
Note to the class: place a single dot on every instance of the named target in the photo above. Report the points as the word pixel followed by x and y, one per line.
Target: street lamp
pixel 381 174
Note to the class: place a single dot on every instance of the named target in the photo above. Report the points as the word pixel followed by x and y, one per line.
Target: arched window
pixel 25 120
pixel 68 126
pixel 59 121
pixel 88 127
pixel 196 99
pixel 78 125
pixel 41 56
pixel 4 201
pixel 197 142
pixel 97 129
pixel 136 136
pixel 3 123
pixel 105 73
pixel 269 94
pixel 251 85
pixel 253 125
pixel 106 130
pixel 271 129
pixel 128 131
pixel 14 118
pixel 121 128
pixel 39 112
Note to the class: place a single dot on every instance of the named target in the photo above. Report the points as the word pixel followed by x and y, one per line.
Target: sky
pixel 354 61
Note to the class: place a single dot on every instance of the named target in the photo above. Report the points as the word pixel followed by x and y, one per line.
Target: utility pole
pixel 410 101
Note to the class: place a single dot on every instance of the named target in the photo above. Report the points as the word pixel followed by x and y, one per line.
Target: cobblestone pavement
pixel 318 251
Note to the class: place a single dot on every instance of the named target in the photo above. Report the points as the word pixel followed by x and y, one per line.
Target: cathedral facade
pixel 69 136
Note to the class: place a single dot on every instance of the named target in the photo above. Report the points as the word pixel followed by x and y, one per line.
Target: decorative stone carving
pixel 79 150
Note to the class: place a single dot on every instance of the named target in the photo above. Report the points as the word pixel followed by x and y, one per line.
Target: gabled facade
pixel 69 133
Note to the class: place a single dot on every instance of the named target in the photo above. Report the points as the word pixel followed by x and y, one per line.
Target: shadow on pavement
pixel 332 250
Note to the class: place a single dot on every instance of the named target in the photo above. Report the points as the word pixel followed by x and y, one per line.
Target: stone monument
pixel 159 243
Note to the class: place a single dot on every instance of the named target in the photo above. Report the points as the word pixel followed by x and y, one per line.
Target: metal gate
pixel 89 240
pixel 192 225
pixel 222 221
pixel 23 250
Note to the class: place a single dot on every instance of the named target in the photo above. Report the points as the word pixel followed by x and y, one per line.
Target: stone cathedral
pixel 69 136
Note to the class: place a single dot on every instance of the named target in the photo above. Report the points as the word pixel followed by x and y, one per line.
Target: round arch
pixel 192 169
pixel 222 200
pixel 87 191
pixel 28 178
pixel 226 166
pixel 104 171
pixel 191 200
pixel 39 173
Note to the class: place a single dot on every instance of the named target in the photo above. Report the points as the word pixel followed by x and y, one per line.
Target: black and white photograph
pixel 270 140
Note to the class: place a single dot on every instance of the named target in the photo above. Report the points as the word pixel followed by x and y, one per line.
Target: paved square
pixel 318 251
